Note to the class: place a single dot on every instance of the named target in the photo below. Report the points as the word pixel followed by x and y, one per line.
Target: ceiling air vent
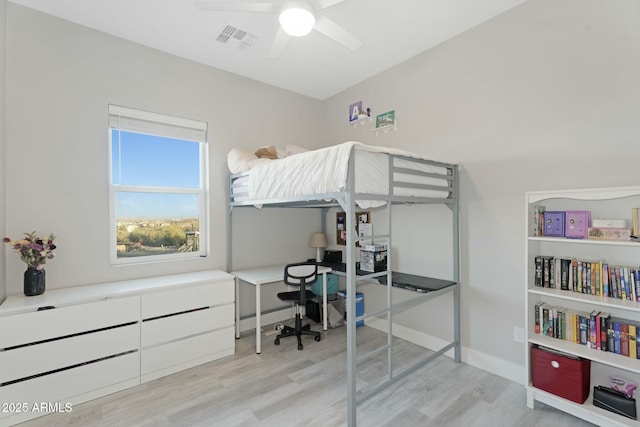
pixel 241 38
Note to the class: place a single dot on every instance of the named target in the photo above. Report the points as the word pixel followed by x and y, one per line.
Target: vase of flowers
pixel 34 251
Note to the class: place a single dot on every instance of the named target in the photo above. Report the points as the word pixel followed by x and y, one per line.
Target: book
pixel 594 278
pixel 637 341
pixel 537 279
pixel 576 326
pixel 556 269
pixel 610 336
pixel 584 328
pixel 565 267
pixel 613 281
pixel 604 328
pixel 593 329
pixel 617 344
pixel 545 319
pixel 546 271
pixel 579 276
pixel 630 284
pixel 631 292
pixel 623 283
pixel 633 349
pixel 571 274
pixel 605 280
pixel 599 278
pixel 538 220
pixel 574 274
pixel 624 338
pixel 536 315
pixel 598 331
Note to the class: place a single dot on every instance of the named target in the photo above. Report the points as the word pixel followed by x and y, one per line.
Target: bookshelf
pixel 603 203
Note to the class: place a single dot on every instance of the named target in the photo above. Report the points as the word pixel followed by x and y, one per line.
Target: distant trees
pixel 156 235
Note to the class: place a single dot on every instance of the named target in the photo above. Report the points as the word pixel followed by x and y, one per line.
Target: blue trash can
pixel 359 306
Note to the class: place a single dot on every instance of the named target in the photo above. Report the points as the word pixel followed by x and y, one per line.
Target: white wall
pixel 3 42
pixel 61 76
pixel 544 96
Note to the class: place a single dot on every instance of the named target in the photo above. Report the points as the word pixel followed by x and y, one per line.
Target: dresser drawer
pixel 36 359
pixel 166 329
pixel 37 326
pixel 64 386
pixel 216 344
pixel 188 298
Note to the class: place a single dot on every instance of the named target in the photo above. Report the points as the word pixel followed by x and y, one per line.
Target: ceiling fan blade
pixel 323 4
pixel 238 6
pixel 279 42
pixel 335 32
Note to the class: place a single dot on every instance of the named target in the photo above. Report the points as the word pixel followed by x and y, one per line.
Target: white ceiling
pixel 392 31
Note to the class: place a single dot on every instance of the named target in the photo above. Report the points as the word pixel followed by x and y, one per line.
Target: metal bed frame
pixel 347 201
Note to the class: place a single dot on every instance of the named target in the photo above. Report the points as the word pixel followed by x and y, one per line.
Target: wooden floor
pixel 286 387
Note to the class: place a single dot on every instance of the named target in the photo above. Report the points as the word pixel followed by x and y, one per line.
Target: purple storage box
pixel 577 224
pixel 554 222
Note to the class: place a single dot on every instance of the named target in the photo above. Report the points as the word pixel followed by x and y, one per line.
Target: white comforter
pixel 325 171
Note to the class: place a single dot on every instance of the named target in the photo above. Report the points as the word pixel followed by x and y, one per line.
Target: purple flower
pixel 33 250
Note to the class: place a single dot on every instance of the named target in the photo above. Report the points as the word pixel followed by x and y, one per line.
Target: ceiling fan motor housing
pixel 297 18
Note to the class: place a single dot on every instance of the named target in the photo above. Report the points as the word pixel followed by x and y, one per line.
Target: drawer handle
pixel 555 364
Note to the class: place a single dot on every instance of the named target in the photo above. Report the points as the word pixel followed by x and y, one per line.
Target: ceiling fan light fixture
pixel 297 19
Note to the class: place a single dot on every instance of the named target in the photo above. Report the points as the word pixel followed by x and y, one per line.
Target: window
pixel 157 187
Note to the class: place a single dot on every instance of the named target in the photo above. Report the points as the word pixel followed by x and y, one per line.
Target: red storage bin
pixel 565 376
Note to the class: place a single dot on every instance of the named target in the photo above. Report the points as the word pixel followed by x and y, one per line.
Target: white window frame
pixel 144 122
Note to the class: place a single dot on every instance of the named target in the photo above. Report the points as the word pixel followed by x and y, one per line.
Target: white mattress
pixel 325 170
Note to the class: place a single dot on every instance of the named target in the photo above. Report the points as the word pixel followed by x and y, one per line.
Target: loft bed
pixel 355 176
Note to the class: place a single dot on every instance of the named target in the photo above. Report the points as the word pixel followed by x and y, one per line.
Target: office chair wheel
pixel 277 341
pixel 299 346
pixel 317 338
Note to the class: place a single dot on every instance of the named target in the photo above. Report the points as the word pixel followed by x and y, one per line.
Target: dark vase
pixel 33 282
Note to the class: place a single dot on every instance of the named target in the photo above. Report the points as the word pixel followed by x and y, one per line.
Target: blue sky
pixel 155 161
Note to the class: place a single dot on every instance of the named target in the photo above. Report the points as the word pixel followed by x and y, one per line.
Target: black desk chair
pixel 300 274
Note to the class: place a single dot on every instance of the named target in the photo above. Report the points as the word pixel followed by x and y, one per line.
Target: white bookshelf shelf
pixel 602 203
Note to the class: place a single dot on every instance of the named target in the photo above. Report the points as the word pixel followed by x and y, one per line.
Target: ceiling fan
pixel 297 18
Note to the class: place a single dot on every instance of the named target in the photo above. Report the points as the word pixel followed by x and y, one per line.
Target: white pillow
pixel 282 152
pixel 240 160
pixel 294 149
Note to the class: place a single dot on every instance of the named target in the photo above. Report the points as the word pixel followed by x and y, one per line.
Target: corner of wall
pixel 3 182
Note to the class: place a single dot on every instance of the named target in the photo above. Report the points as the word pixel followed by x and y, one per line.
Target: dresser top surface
pixel 66 296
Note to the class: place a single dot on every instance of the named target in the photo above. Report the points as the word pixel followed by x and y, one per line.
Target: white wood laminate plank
pixel 286 387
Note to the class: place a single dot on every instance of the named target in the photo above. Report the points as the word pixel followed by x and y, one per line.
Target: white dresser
pixel 72 345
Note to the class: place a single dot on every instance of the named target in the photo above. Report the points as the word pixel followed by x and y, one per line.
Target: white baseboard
pixel 486 362
pixel 249 324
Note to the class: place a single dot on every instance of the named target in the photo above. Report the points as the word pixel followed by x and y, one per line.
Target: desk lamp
pixel 318 240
